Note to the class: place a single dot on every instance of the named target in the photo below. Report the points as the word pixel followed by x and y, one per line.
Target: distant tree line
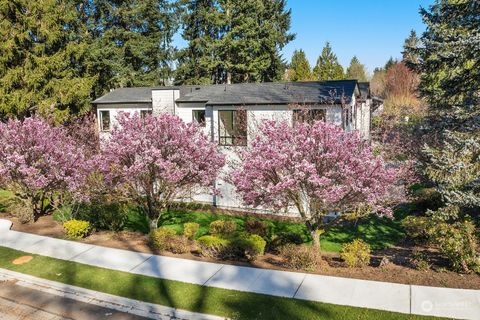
pixel 55 56
pixel 326 68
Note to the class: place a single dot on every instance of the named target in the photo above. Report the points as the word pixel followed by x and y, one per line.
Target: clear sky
pixel 373 30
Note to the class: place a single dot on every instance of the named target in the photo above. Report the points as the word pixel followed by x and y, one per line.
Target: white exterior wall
pixel 164 100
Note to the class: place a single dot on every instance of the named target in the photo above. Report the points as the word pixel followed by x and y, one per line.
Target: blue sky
pixel 373 30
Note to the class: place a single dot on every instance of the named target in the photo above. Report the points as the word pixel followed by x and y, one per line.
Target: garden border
pixel 408 299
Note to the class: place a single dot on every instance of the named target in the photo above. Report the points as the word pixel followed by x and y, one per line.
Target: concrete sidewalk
pixel 455 303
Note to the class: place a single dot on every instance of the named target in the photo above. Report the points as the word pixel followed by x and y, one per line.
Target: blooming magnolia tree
pixel 316 168
pixel 39 162
pixel 157 159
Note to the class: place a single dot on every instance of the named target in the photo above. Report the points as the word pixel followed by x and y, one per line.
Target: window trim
pixel 297 112
pixel 234 137
pixel 102 128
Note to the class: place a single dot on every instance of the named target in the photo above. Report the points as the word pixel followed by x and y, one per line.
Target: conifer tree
pixel 356 70
pixel 42 55
pixel 409 54
pixel 300 67
pixel 233 41
pixel 328 67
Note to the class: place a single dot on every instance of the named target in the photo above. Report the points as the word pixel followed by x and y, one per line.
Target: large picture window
pixel 199 117
pixel 308 115
pixel 232 128
pixel 105 120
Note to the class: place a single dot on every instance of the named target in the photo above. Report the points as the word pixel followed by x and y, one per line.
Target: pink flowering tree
pixel 158 159
pixel 39 162
pixel 316 168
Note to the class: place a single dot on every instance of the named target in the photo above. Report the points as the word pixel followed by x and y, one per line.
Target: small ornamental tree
pixel 158 159
pixel 316 168
pixel 39 162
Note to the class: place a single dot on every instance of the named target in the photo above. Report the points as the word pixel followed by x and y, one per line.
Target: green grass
pixel 380 233
pixel 228 303
pixel 4 196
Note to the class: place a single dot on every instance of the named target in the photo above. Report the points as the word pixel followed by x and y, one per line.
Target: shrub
pixel 76 229
pixel 299 257
pixel 458 243
pixel 250 245
pixel 214 246
pixel 178 244
pixel 420 260
pixel 417 228
pixel 284 238
pixel 63 214
pixel 356 253
pixel 105 215
pixel 20 208
pixel 223 227
pixel 190 229
pixel 161 238
pixel 258 227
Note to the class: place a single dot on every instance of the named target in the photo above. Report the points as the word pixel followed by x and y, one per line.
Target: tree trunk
pixel 316 238
pixel 153 223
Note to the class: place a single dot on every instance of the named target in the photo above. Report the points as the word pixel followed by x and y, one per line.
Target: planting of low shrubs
pixel 76 229
pixel 161 238
pixel 458 243
pixel 222 227
pixel 356 253
pixel 179 244
pixel 284 238
pixel 105 215
pixel 251 245
pixel 417 228
pixel 258 227
pixel 300 257
pixel 213 246
pixel 190 229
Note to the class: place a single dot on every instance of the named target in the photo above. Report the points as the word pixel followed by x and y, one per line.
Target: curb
pixel 126 305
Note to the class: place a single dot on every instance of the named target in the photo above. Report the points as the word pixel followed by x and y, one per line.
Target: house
pixel 230 113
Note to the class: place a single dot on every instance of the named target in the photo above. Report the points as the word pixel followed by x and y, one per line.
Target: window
pixel 199 117
pixel 144 113
pixel 232 128
pixel 105 120
pixel 308 115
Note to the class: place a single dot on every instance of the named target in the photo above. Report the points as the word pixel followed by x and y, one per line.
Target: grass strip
pixel 227 303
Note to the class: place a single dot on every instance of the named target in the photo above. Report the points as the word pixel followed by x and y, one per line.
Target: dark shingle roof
pixel 364 90
pixel 246 93
pixel 273 93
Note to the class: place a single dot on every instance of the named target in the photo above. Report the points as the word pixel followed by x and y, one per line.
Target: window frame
pixel 237 139
pixel 101 122
pixel 200 123
pixel 299 118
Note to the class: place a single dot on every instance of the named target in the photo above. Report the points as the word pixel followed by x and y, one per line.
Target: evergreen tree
pixel 390 62
pixel 232 41
pixel 131 42
pixel 42 56
pixel 356 70
pixel 300 68
pixel 449 63
pixel 328 67
pixel 409 54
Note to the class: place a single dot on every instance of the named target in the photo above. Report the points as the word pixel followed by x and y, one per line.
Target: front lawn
pixel 380 233
pixel 227 303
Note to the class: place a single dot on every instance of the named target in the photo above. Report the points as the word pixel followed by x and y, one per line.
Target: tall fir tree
pixel 300 67
pixel 131 42
pixel 356 70
pixel 42 59
pixel 233 41
pixel 409 54
pixel 327 66
pixel 449 64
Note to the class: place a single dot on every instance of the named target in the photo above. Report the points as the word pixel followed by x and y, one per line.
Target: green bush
pixel 63 214
pixel 161 238
pixel 190 229
pixel 419 260
pixel 214 246
pixel 299 257
pixel 284 238
pixel 222 227
pixel 105 216
pixel 417 228
pixel 356 253
pixel 258 227
pixel 458 243
pixel 76 229
pixel 250 245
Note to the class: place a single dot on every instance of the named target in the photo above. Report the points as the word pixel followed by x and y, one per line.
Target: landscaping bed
pixel 398 267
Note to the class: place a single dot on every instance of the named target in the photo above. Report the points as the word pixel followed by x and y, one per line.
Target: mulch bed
pixel 398 269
